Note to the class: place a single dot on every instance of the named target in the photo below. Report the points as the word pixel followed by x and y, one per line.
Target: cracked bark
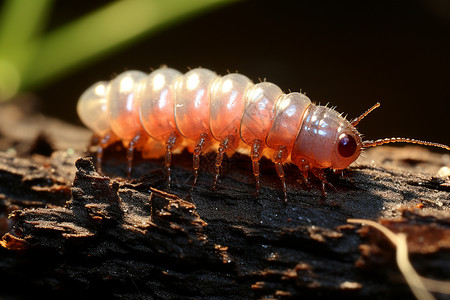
pixel 73 232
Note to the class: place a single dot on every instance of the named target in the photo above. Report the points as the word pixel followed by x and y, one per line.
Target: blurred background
pixel 349 54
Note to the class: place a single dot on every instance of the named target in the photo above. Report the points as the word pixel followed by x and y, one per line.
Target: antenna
pixel 355 121
pixel 367 144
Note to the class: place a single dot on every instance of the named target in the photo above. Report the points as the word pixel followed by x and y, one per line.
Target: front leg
pixel 320 174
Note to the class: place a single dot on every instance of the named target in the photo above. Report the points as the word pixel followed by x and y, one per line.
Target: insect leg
pixel 255 154
pixel 279 157
pixel 223 147
pixel 305 167
pixel 138 140
pixel 199 148
pixel 320 174
pixel 104 142
pixel 170 145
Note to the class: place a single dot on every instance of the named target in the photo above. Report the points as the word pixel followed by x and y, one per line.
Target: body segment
pixel 156 93
pixel 123 111
pixel 260 102
pixel 157 103
pixel 227 104
pixel 123 105
pixel 192 105
pixel 94 99
pixel 290 113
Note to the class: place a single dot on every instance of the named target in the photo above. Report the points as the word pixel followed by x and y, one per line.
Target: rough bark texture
pixel 72 232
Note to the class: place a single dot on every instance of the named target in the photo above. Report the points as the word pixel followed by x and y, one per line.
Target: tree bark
pixel 72 232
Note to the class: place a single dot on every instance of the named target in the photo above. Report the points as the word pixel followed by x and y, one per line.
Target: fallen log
pixel 73 232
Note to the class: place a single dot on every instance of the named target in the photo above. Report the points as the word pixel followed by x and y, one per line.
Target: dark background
pixel 346 53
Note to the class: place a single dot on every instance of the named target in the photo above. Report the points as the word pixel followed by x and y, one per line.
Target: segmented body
pixel 166 110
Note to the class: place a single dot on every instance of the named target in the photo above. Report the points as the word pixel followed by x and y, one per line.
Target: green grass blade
pixel 105 30
pixel 21 22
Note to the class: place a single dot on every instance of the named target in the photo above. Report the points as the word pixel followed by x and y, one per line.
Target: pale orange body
pixel 165 111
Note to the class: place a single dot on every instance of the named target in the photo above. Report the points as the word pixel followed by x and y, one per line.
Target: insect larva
pixel 200 110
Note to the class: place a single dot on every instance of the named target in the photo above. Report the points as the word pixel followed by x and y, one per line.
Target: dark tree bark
pixel 73 232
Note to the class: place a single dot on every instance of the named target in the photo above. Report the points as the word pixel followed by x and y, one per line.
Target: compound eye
pixel 347 145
